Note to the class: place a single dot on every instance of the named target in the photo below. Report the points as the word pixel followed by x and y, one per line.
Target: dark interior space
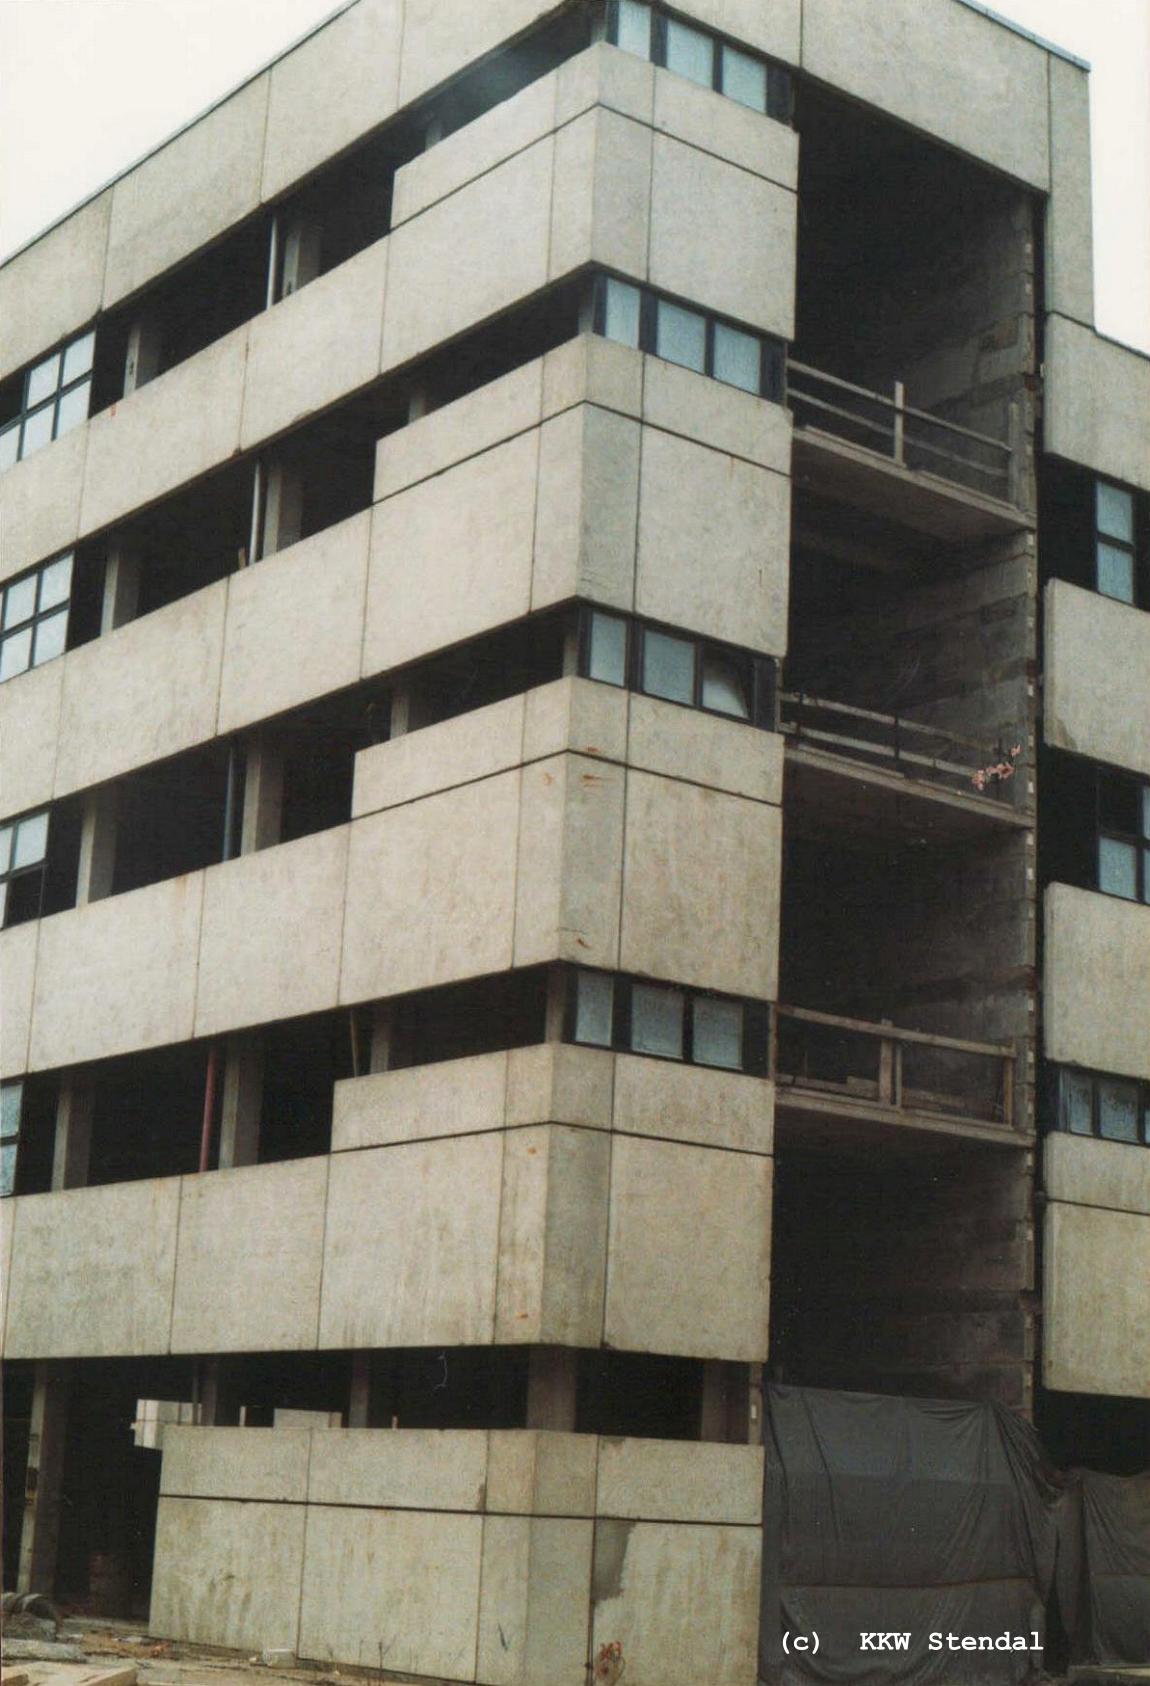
pixel 507 342
pixel 639 1393
pixel 506 71
pixel 36 1134
pixel 176 816
pixel 1092 1431
pixel 16 1386
pixel 319 744
pixel 260 1384
pixel 332 462
pixel 47 884
pixel 147 1114
pixel 900 1270
pixel 452 1387
pixel 302 1061
pixel 340 212
pixel 487 670
pixel 191 539
pixel 110 1489
pixel 480 1016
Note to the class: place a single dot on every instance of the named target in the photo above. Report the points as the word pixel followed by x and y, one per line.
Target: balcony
pixel 881 454
pixel 849 1074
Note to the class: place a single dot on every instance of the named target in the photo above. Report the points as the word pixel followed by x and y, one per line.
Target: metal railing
pixel 901 745
pixel 893 428
pixel 907 1071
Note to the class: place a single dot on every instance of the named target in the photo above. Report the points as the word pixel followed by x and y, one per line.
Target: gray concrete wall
pixel 1097 401
pixel 532 1550
pixel 1096 1329
pixel 1096 696
pixel 1096 981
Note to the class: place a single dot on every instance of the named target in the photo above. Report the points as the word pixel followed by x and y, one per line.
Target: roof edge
pixel 1027 34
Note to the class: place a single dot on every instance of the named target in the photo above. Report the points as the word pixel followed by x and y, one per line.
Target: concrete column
pixel 145 345
pixel 551 1377
pixel 556 1016
pixel 263 794
pixel 121 587
pixel 380 1056
pixel 283 508
pixel 219 1401
pixel 359 1401
pixel 72 1152
pixel 40 1534
pixel 241 1102
pixel 97 864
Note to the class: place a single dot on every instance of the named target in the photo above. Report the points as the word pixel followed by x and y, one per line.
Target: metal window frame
pixel 1137 547
pixel 39 614
pixel 779 93
pixel 772 350
pixel 1062 1074
pixel 1136 840
pixel 13 1136
pixel 755 1030
pixel 12 874
pixel 759 673
pixel 60 391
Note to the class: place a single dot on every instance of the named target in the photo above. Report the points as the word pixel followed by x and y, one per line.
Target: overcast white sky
pixel 87 86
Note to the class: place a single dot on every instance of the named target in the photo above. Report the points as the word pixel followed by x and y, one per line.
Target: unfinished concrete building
pixel 575 670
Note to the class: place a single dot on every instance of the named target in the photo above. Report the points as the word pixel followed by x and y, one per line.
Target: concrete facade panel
pixel 901 57
pixel 211 171
pixel 451 556
pixel 650 1580
pixel 54 286
pixel 1096 1316
pixel 730 131
pixel 698 504
pixel 411 1245
pixel 144 692
pixel 166 433
pixel 402 1584
pixel 29 735
pixel 318 345
pixel 17 979
pixel 331 90
pixel 1085 1172
pixel 1097 690
pixel 453 857
pixel 438 40
pixel 1068 282
pixel 570 862
pixel 453 752
pixel 412 1469
pixel 117 975
pixel 92 1271
pixel 534 1612
pixel 588 495
pixel 248 1261
pixel 464 428
pixel 670 1481
pixel 235 1463
pixel 700 748
pixel 741 261
pixel 40 502
pixel 450 1098
pixel 263 913
pixel 552 1235
pixel 689 1251
pixel 774 29
pixel 1097 981
pixel 1097 398
pixel 602 202
pixel 308 600
pixel 693 1104
pixel 692 858
pixel 481 145
pixel 709 412
pixel 228 1574
pixel 532 1472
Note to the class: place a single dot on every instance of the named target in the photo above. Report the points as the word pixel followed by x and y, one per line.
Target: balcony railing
pixel 894 429
pixel 909 1072
pixel 897 744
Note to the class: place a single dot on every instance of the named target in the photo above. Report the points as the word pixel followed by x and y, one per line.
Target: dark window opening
pixel 340 212
pixel 319 744
pixel 46 400
pixel 509 341
pixel 39 858
pixel 147 1114
pixel 1089 1431
pixel 27 1135
pixel 497 78
pixel 1095 533
pixel 639 1393
pixel 191 539
pixel 653 33
pixel 477 1017
pixel 447 1387
pixel 302 1060
pixel 175 817
pixel 263 1390
pixel 1103 1104
pixel 1096 827
pixel 487 670
pixel 667 1021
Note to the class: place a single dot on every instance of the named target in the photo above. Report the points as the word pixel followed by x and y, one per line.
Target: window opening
pixel 49 400
pixel 652 33
pixel 694 339
pixel 667 1021
pixel 1123 858
pixel 34 617
pixel 675 667
pixel 23 852
pixel 1094 1103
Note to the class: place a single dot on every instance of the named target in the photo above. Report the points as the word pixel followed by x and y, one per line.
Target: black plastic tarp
pixel 1104 1567
pixel 894 1529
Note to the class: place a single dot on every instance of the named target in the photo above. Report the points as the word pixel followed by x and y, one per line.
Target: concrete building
pixel 575 810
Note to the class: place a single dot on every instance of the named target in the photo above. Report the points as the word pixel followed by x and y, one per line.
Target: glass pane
pixel 1117 1110
pixel 5 846
pixel 15 653
pixel 7 1168
pixel 690 53
pixel 1119 802
pixel 9 446
pixel 657 1021
pixel 681 336
pixel 1115 572
pixel 668 667
pixel 1146 810
pixel 73 409
pixel 1117 868
pixel 20 601
pixel 607 651
pixel 43 380
pixel 1114 511
pixel 622 314
pixel 594 1006
pixel 718 1039
pixel 744 79
pixel 31 840
pixel 55 582
pixel 11 1097
pixel 37 430
pixel 78 358
pixel 634 32
pixel 725 687
pixel 50 637
pixel 1077 1102
pixel 737 358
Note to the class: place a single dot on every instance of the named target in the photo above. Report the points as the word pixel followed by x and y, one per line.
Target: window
pixel 695 53
pixel 51 400
pixel 1115 561
pixel 23 850
pixel 1092 1103
pixel 618 650
pixel 34 617
pixel 11 1104
pixel 694 339
pixel 667 1022
pixel 1123 861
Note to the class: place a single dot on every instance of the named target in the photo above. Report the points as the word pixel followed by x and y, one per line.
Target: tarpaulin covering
pixel 1104 1567
pixel 891 1525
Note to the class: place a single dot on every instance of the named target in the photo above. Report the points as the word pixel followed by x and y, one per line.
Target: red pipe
pixel 209 1108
